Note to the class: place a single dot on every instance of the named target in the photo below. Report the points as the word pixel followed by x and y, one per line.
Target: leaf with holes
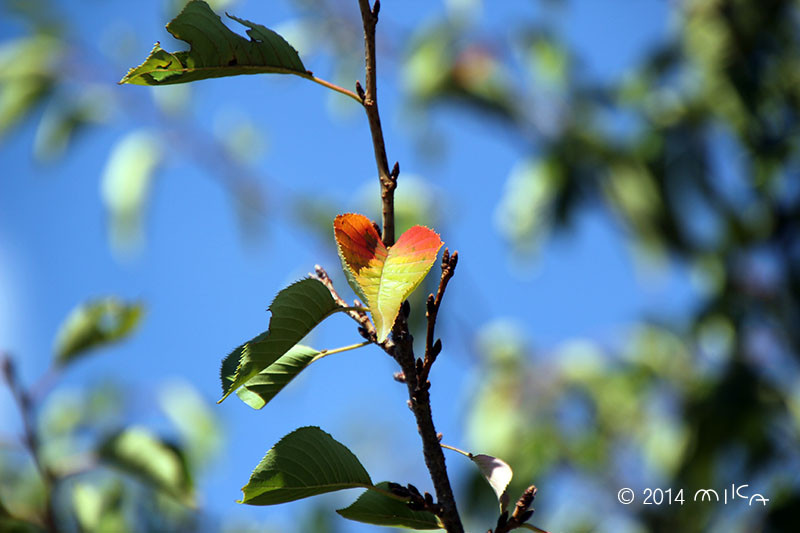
pixel 383 277
pixel 304 463
pixel 379 509
pixel 215 51
pixel 296 310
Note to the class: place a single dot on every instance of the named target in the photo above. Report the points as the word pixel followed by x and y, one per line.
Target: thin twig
pixel 369 96
pixel 31 438
pixel 366 328
pixel 432 348
pixel 522 512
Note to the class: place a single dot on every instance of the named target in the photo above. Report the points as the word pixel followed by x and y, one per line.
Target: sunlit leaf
pixel 296 310
pixel 304 463
pixel 95 324
pixel 26 76
pixel 497 473
pixel 383 278
pixel 195 421
pixel 378 509
pixel 215 51
pixel 99 507
pixel 138 452
pixel 525 211
pixel 260 389
pixel 126 183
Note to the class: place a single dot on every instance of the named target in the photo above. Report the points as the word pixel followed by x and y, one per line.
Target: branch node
pixel 360 91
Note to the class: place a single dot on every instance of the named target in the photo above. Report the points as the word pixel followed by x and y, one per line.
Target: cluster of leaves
pixel 94 470
pixel 696 153
pixel 308 461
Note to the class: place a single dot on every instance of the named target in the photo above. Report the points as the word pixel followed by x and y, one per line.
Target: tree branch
pixel 401 347
pixel 366 328
pixel 31 438
pixel 369 98
pixel 420 404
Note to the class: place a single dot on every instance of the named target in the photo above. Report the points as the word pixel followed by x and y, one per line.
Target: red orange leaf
pixel 383 278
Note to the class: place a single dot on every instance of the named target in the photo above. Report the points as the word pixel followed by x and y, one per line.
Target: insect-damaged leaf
pixel 296 310
pixel 377 508
pixel 215 51
pixel 304 463
pixel 383 278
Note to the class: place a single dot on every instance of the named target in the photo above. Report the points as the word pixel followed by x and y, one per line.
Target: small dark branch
pixel 432 348
pixel 366 328
pixel 369 96
pixel 31 437
pixel 521 514
pixel 420 404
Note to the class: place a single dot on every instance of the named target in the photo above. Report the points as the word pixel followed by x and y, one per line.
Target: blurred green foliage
pixel 82 466
pixel 695 152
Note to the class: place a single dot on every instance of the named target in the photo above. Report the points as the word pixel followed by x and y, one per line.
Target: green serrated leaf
pixel 296 310
pixel 140 453
pixel 304 463
pixel 95 324
pixel 259 390
pixel 215 51
pixel 378 509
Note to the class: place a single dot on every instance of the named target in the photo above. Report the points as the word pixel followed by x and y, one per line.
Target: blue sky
pixel 206 288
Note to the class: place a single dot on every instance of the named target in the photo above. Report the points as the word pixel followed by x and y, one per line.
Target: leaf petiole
pixel 359 309
pixel 462 452
pixel 324 353
pixel 331 86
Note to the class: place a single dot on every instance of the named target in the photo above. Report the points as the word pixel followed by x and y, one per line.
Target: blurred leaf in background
pixel 696 153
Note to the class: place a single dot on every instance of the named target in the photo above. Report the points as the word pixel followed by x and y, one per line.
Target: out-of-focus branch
pixel 31 438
